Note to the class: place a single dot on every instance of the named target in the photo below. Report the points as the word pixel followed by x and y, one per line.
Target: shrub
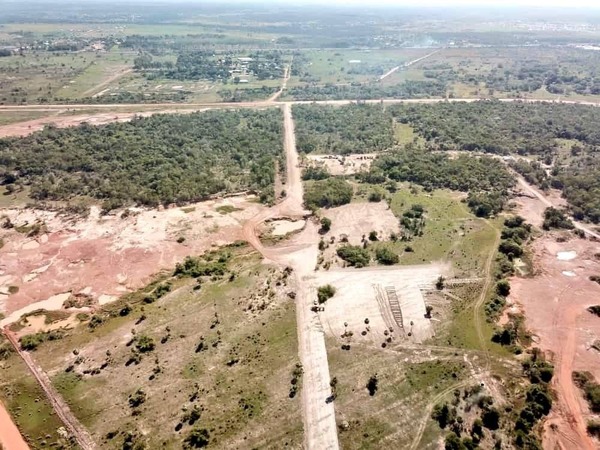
pixel 593 428
pixel 137 398
pixel 144 343
pixel 491 419
pixel 373 236
pixel 31 341
pixel 554 218
pixel 372 385
pixel 324 293
pixel 595 309
pixel 325 225
pixel 503 288
pixel 375 196
pixel 198 438
pixel 328 193
pixel 386 256
pixel 354 255
pixel 443 414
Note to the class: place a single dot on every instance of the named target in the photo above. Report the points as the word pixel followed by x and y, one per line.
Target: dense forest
pixel 155 160
pixel 500 127
pixel 485 179
pixel 407 89
pixel 521 128
pixel 344 129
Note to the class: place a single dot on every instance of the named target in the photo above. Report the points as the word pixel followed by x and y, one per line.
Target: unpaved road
pixel 408 64
pixel 286 77
pixel 533 191
pixel 568 396
pixel 106 82
pixel 320 430
pixel 570 422
pixel 10 437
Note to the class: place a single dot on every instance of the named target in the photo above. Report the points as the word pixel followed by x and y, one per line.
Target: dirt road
pixel 567 391
pixel 320 430
pixel 533 191
pixel 10 437
pixel 60 407
pixel 106 82
pixel 286 77
pixel 408 64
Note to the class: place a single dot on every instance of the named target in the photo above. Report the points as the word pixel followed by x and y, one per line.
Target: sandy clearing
pixel 283 227
pixel 357 219
pixel 357 295
pixel 52 303
pixel 343 164
pixel 109 255
pixel 36 324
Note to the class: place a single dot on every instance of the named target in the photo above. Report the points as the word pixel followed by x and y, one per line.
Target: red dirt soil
pixel 10 438
pixel 108 255
pixel 554 302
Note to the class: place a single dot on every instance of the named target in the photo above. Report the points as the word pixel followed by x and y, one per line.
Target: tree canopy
pixel 159 159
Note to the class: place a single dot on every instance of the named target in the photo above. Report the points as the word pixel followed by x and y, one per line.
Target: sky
pixel 449 3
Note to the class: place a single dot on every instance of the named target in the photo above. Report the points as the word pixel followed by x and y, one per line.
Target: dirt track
pixel 320 430
pixel 554 303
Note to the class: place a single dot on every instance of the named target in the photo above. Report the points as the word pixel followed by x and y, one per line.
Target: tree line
pixel 162 159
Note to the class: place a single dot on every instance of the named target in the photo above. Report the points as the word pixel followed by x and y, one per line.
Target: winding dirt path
pixel 533 191
pixel 484 292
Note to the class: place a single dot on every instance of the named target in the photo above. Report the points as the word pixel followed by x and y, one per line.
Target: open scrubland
pixel 256 268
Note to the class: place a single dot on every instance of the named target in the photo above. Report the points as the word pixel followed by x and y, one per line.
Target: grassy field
pixel 406 384
pixel 27 404
pixel 225 352
pixel 335 66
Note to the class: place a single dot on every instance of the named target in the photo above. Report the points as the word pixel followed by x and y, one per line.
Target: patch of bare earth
pixel 343 164
pixel 103 257
pixel 31 126
pixel 356 220
pixel 554 302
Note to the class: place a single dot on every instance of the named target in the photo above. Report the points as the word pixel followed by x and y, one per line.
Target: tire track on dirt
pixel 320 429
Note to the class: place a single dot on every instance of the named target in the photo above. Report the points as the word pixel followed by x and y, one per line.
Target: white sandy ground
pixel 283 227
pixel 357 219
pixel 566 256
pixel 356 299
pixel 53 303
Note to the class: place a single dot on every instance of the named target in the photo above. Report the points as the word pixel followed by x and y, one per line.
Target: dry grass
pixel 238 378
